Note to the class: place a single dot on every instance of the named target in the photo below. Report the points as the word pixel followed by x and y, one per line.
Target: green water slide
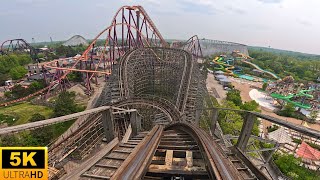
pixel 223 65
pixel 288 97
pixel 304 93
pixel 259 68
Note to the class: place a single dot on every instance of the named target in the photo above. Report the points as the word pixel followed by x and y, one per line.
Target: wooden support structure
pixel 169 157
pixel 134 122
pixel 246 131
pixel 215 114
pixel 107 122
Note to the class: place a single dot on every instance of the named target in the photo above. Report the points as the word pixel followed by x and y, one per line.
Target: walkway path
pixel 215 89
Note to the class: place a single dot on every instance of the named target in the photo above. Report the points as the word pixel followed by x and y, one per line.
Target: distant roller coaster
pixel 210 47
pixel 18 45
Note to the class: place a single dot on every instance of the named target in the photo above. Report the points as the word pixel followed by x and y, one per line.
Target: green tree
pixel 18 72
pixel 230 121
pixel 3 78
pixel 35 86
pixel 65 104
pixel 234 96
pixel 75 76
pixel 288 110
pixel 264 86
pixel 36 117
pixel 18 91
pixel 290 166
pixel 250 106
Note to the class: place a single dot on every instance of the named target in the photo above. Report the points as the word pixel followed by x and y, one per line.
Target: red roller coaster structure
pixel 130 28
pixel 192 45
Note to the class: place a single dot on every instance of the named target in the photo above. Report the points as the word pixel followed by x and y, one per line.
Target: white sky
pixel 284 24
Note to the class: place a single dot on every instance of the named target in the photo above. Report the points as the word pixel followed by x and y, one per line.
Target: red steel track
pixel 130 28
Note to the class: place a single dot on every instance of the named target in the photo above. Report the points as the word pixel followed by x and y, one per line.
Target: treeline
pixel 12 66
pixel 284 65
pixel 298 55
pixel 68 51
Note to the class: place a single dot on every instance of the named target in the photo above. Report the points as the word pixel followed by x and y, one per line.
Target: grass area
pixel 22 112
pixel 6 119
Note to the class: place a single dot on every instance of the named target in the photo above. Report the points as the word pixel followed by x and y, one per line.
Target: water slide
pixel 246 57
pixel 257 67
pixel 223 65
pixel 304 93
pixel 288 97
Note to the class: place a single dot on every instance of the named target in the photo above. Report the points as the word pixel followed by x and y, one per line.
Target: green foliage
pixel 9 140
pixel 230 121
pixel 18 72
pixel 36 117
pixel 272 128
pixel 13 61
pixel 250 106
pixel 35 86
pixel 264 86
pixel 7 94
pixel 18 91
pixel 301 68
pixel 68 51
pixel 3 78
pixel 22 112
pixel 6 119
pixel 65 104
pixel 288 110
pixel 75 76
pixel 290 166
pixel 61 128
pixel 41 136
pixel 234 96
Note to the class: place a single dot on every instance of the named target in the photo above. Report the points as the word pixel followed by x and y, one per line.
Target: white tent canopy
pixel 280 135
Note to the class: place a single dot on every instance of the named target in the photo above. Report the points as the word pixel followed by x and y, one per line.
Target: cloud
pixel 235 10
pixel 31 1
pixel 271 1
pixel 304 22
pixel 10 13
pixel 191 7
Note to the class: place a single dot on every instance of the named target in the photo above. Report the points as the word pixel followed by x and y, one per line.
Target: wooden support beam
pixel 134 123
pixel 107 122
pixel 246 131
pixel 189 158
pixel 215 114
pixel 169 158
